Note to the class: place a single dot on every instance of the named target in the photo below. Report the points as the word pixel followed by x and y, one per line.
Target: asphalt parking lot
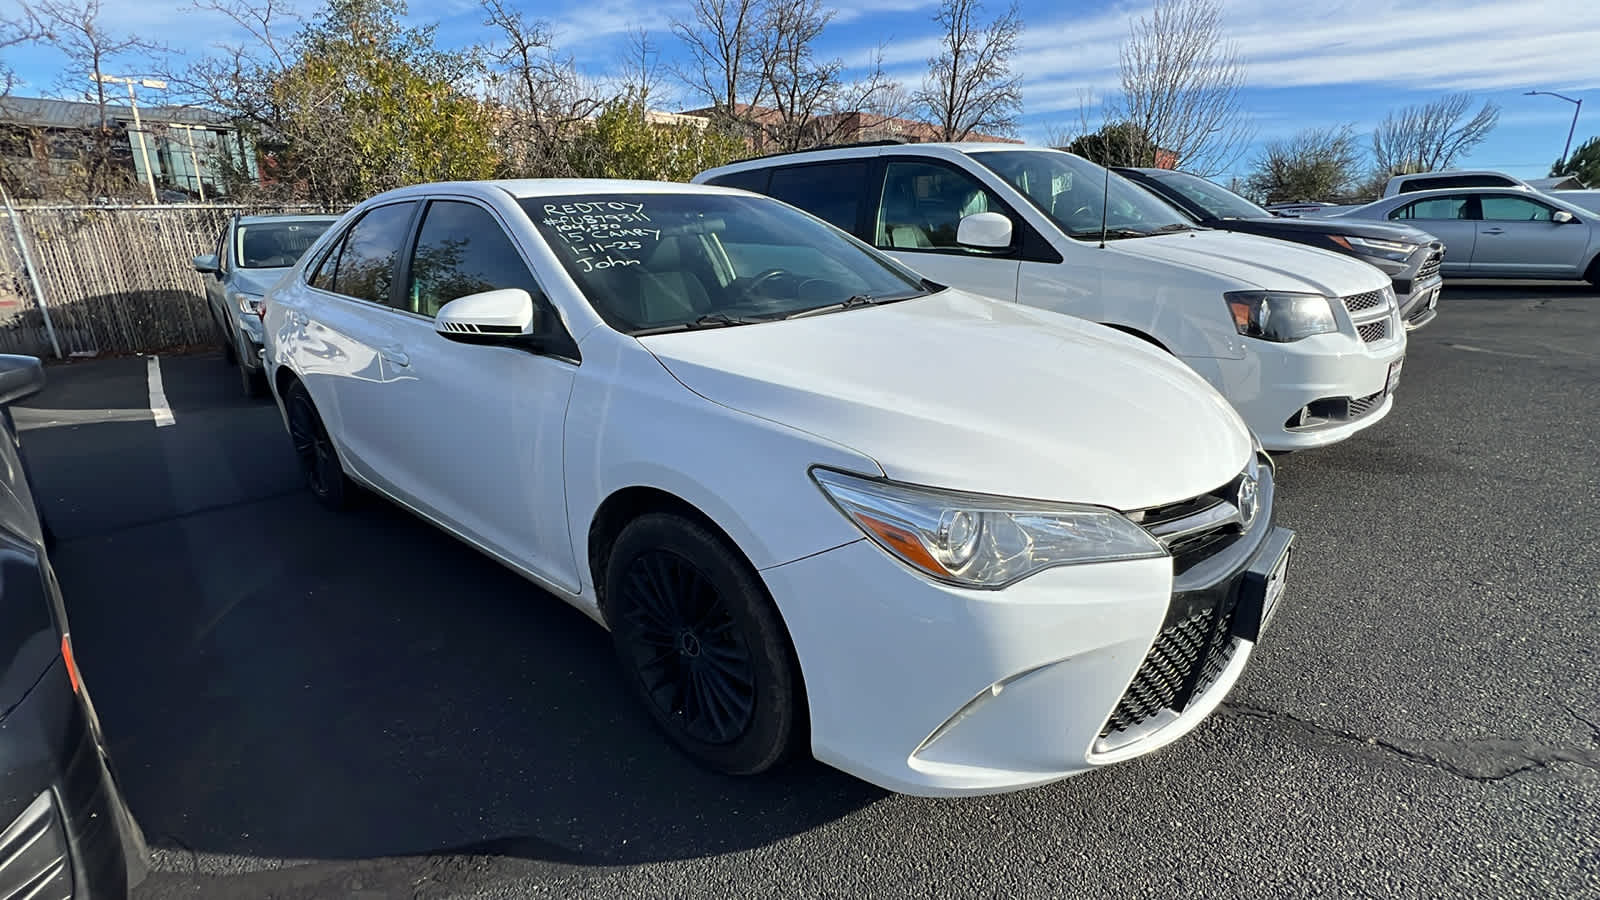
pixel 305 704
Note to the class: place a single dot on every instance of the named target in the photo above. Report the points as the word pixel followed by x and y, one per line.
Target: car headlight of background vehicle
pixel 250 304
pixel 1396 250
pixel 1279 316
pixel 979 541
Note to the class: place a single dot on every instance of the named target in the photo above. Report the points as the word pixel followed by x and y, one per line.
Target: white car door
pixel 1517 235
pixel 346 351
pixel 919 211
pixel 481 427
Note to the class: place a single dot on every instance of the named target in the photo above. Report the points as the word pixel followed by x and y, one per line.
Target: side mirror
pixel 985 231
pixel 1562 217
pixel 206 263
pixel 20 377
pixel 491 317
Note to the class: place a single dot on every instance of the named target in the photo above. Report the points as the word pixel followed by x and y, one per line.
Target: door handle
pixel 395 355
pixel 1494 231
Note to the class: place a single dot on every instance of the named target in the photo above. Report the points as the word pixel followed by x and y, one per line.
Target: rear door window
pixel 1436 208
pixel 830 191
pixel 372 248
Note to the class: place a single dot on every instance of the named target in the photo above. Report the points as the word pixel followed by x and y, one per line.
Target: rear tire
pixel 1593 275
pixel 702 646
pixel 319 460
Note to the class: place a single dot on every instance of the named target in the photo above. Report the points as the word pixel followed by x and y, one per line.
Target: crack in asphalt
pixel 1482 760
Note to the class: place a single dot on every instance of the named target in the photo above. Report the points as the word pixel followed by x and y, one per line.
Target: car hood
pixel 1271 226
pixel 255 281
pixel 962 392
pixel 1259 262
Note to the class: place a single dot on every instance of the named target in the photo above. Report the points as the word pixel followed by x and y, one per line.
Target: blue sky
pixel 1311 63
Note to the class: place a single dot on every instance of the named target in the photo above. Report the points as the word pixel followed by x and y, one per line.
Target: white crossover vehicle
pixel 1305 343
pixel 948 544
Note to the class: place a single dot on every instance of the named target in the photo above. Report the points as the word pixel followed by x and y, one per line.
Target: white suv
pixel 817 500
pixel 1305 343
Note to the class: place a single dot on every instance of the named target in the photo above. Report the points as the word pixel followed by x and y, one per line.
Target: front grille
pixel 1430 266
pixel 1187 658
pixel 1374 331
pixel 1190 547
pixel 1360 406
pixel 1358 302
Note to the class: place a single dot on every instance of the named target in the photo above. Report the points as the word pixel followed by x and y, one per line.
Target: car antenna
pixel 1105 202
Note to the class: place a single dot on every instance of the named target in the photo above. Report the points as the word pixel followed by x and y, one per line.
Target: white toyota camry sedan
pixel 948 544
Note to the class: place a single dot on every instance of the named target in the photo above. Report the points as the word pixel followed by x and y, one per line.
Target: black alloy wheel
pixel 319 460
pixel 702 645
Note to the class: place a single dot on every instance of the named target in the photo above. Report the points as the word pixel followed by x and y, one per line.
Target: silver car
pixel 252 253
pixel 1499 232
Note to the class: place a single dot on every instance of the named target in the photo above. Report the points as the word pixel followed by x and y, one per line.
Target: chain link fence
pixel 92 280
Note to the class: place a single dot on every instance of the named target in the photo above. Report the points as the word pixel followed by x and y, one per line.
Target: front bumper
pixel 934 690
pixel 1339 377
pixel 251 340
pixel 74 832
pixel 1421 305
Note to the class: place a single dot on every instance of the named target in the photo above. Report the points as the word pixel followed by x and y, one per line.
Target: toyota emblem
pixel 1249 501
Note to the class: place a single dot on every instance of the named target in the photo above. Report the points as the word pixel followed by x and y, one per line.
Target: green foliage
pixel 623 142
pixel 369 105
pixel 1315 165
pixel 1116 144
pixel 1584 163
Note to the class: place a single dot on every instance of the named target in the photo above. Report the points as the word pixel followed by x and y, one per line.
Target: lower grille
pixel 1360 406
pixel 1374 331
pixel 1186 659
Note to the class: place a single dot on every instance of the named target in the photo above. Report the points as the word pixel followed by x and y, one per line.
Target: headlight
pixel 1398 250
pixel 1279 316
pixel 247 303
pixel 979 541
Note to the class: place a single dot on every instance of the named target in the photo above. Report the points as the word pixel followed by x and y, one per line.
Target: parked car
pixel 1451 178
pixel 951 544
pixel 252 253
pixel 1409 256
pixel 69 833
pixel 1307 345
pixel 1500 232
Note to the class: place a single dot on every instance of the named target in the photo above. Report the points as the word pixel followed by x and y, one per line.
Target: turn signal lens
pixel 72 664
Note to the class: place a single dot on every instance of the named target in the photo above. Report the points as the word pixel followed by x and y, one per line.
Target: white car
pixel 947 544
pixel 1306 344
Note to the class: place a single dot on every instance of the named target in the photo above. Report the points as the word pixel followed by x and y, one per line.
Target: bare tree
pixel 642 73
pixel 1180 85
pixel 723 40
pixel 1431 136
pixel 1316 164
pixel 970 86
pixel 813 103
pixel 22 28
pixel 74 28
pixel 542 95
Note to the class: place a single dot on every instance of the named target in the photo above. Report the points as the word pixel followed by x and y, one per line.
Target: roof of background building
pixel 44 112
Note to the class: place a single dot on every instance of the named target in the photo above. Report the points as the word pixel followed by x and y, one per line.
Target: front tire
pixel 702 646
pixel 319 460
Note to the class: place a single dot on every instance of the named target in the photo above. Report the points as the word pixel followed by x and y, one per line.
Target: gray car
pixel 252 253
pixel 1499 232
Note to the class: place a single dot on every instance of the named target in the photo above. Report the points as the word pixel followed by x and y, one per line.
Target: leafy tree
pixel 1316 164
pixel 1584 163
pixel 1116 144
pixel 624 142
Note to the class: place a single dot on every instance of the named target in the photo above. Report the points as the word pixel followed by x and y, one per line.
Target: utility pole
pixel 133 103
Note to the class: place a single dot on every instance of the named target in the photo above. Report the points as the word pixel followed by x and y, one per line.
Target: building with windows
pixel 56 149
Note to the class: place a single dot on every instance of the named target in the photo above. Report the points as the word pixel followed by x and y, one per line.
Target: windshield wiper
pixel 1111 234
pixel 710 320
pixel 1175 226
pixel 855 302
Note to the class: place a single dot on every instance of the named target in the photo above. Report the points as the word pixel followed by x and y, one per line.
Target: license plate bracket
pixel 1394 375
pixel 1262 586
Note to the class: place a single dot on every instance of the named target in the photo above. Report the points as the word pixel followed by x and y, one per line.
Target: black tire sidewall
pixel 777 719
pixel 336 491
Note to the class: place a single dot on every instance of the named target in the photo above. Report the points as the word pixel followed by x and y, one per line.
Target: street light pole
pixel 1577 103
pixel 133 103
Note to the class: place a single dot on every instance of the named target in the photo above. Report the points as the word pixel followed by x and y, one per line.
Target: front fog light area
pixel 981 541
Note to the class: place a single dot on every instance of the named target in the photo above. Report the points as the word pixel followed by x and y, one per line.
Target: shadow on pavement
pixel 1525 291
pixel 280 681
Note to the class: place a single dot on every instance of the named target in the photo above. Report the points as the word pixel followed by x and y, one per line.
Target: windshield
pixel 659 262
pixel 1215 199
pixel 1069 189
pixel 276 245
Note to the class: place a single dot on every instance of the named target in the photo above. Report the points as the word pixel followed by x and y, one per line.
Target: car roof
pixel 942 149
pixel 523 188
pixel 287 217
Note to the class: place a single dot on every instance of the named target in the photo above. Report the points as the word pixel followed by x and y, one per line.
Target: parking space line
pixel 158 396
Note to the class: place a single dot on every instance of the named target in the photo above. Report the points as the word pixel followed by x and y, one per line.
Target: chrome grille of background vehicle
pixel 1430 266
pixel 1373 331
